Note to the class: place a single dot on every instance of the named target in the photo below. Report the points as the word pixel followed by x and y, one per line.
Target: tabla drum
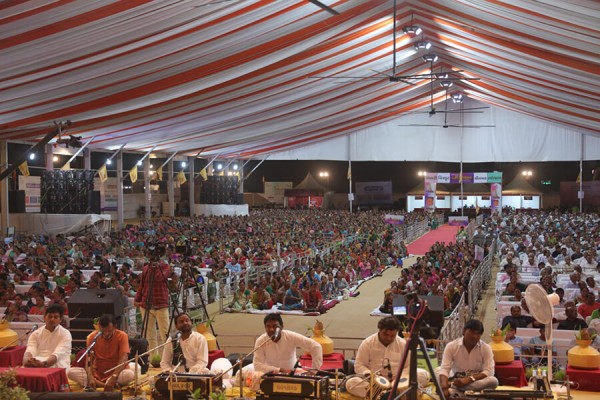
pixel 361 387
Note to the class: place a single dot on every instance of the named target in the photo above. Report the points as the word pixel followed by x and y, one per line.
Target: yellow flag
pixel 181 178
pixel 159 173
pixel 578 178
pixel 102 173
pixel 66 167
pixel 24 168
pixel 203 174
pixel 133 174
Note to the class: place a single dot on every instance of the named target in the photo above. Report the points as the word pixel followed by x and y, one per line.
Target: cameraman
pixel 152 297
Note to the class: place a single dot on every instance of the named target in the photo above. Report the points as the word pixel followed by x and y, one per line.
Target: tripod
pixel 180 293
pixel 414 342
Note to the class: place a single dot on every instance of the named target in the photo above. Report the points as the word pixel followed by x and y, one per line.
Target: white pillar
pixel 49 157
pixel 192 200
pixel 170 189
pixel 4 217
pixel 120 219
pixel 147 193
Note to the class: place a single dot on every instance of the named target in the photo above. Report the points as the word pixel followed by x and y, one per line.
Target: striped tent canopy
pixel 235 78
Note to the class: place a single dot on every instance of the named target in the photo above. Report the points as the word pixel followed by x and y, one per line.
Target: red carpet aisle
pixel 444 233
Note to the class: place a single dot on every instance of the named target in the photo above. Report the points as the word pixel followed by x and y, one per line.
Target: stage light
pixel 139 163
pixel 219 166
pixel 235 167
pixel 183 164
pixel 32 156
pixel 55 158
pixel 108 161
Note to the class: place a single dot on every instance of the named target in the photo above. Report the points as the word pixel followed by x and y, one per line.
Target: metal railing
pixel 480 279
pixel 454 323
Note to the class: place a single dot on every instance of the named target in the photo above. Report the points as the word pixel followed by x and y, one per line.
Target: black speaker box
pixel 95 202
pixel 434 316
pixel 16 201
pixel 92 303
pixel 76 396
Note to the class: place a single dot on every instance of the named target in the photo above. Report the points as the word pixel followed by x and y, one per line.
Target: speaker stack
pixel 67 192
pixel 220 190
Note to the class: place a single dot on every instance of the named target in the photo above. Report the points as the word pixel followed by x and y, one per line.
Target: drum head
pixel 382 382
pixel 357 386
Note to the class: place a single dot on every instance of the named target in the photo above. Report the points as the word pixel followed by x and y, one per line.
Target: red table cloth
pixel 12 356
pixel 512 374
pixel 213 355
pixel 588 379
pixel 330 361
pixel 41 379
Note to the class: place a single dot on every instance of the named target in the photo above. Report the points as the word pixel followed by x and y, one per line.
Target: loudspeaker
pixel 92 303
pixel 76 396
pixel 95 202
pixel 16 201
pixel 433 315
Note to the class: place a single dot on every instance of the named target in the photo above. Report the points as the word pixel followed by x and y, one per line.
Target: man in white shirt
pixel 382 352
pixel 50 346
pixel 276 348
pixel 191 349
pixel 467 363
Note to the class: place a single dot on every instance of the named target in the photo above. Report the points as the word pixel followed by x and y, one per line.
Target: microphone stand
pixel 141 355
pixel 18 339
pixel 239 363
pixel 135 376
pixel 90 347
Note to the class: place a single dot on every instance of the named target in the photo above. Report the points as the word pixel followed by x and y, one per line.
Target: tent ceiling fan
pixel 446 112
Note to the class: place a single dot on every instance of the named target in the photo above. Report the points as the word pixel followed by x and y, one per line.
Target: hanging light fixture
pixel 412 29
pixel 446 84
pixel 430 57
pixel 457 98
pixel 422 45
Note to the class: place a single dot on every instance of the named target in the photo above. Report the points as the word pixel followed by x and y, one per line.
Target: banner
pixel 496 198
pixel 372 193
pixel 102 173
pixel 479 253
pixel 458 221
pixel 24 168
pixel 430 186
pixel 205 177
pixel 181 178
pixel 133 174
pixel 394 219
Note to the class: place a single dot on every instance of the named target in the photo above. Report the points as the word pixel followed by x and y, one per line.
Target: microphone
pixel 293 371
pixel 277 334
pixel 177 338
pixel 97 336
pixel 33 328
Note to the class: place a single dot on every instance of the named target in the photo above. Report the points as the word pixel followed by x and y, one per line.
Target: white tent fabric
pixel 233 77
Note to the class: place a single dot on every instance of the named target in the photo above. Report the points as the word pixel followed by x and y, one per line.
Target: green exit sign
pixel 546 182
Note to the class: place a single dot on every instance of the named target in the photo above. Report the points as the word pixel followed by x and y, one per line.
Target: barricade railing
pixel 480 279
pixel 454 323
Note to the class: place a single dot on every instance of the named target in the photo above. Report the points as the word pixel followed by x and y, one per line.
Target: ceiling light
pixel 183 164
pixel 219 166
pixel 108 161
pixel 412 30
pixel 457 98
pixel 139 163
pixel 32 156
pixel 431 57
pixel 422 45
pixel 446 84
pixel 235 167
pixel 441 75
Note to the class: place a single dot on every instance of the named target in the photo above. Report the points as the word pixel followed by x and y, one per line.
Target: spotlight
pixel 219 166
pixel 431 57
pixel 55 158
pixel 457 98
pixel 235 167
pixel 32 156
pixel 412 30
pixel 422 45
pixel 108 161
pixel 446 84
pixel 422 173
pixel 73 141
pixel 183 164
pixel 139 163
pixel 151 166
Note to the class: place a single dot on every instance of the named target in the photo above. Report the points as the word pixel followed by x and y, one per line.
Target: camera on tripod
pixel 156 251
pixel 407 307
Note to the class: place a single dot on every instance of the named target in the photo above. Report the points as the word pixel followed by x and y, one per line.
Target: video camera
pixel 407 307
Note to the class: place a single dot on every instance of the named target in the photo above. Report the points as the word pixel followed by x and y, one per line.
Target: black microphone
pixel 177 338
pixel 277 334
pixel 293 371
pixel 389 368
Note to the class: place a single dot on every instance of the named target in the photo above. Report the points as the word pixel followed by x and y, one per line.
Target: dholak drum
pixel 361 387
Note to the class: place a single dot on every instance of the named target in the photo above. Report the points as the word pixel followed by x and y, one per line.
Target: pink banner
pixel 430 185
pixel 496 198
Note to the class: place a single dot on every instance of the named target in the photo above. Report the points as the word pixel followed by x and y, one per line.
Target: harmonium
pixel 286 387
pixel 182 384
